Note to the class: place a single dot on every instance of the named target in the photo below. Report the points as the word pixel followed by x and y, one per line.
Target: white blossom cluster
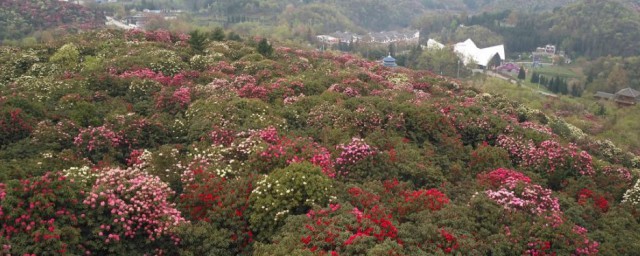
pixel 83 175
pixel 632 196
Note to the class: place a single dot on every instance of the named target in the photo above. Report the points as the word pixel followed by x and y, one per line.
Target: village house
pixel 626 96
pixel 547 49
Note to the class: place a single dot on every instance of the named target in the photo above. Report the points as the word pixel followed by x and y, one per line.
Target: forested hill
pixel 156 143
pixel 368 14
pixel 19 18
pixel 590 28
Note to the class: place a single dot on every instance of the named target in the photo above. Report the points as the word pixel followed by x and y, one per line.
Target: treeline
pixel 589 28
pixel 557 84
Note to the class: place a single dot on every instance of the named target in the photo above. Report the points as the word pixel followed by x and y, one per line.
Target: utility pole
pixel 458 71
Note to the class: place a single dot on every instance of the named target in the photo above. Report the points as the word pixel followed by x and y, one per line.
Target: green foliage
pixel 217 34
pixel 265 48
pixel 198 40
pixel 68 56
pixel 203 239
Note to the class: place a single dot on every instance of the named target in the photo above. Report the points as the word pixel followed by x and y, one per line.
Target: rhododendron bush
pixel 128 204
pixel 137 143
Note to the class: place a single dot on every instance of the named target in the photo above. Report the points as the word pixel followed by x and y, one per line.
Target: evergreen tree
pixel 535 78
pixel 564 88
pixel 198 40
pixel 233 37
pixel 521 74
pixel 265 48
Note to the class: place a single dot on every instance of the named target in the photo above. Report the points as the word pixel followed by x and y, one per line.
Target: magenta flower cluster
pixel 352 153
pixel 92 138
pixel 182 96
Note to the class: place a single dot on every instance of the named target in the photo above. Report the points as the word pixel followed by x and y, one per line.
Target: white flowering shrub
pixel 83 175
pixel 632 196
pixel 289 191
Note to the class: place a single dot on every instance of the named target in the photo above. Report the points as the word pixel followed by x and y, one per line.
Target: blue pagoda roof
pixel 389 62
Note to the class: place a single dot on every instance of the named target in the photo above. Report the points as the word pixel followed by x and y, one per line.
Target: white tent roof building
pixel 469 52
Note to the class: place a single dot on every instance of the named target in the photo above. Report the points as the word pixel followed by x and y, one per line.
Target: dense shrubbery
pixel 159 151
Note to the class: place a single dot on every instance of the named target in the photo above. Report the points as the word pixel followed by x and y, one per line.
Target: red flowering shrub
pixel 337 230
pixel 221 202
pixel 253 91
pixel 173 100
pixel 599 201
pixel 448 243
pixel 14 126
pixel 501 176
pixel 486 157
pixel 418 200
pixel 398 199
pixel 282 151
pixel 41 215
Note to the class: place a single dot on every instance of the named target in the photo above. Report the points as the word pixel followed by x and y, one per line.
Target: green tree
pixel 232 36
pixel 198 40
pixel 535 78
pixel 265 48
pixel 217 34
pixel 617 79
pixel 67 56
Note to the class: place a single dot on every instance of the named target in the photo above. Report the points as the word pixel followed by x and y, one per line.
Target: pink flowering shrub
pixel 173 100
pixel 145 73
pixel 514 192
pixel 131 205
pixel 549 231
pixel 352 153
pixel 98 142
pixel 161 36
pixel 41 214
pixel 221 136
pixel 253 91
pixel 549 155
pixel 182 96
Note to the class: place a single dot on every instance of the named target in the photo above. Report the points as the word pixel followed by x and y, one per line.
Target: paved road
pixel 114 22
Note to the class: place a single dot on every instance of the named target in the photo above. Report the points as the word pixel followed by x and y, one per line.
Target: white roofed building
pixel 433 44
pixel 469 52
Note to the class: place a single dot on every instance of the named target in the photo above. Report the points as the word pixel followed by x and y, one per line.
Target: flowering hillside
pixel 134 143
pixel 22 17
